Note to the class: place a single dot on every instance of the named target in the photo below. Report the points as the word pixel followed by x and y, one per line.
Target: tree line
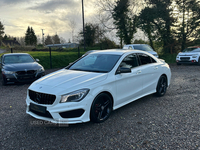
pixel 173 23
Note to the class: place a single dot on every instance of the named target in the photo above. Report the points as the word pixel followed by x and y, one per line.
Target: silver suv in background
pixel 143 47
pixel 190 55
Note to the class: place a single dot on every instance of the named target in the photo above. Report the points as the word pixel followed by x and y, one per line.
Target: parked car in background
pixel 96 84
pixel 190 55
pixel 143 47
pixel 20 67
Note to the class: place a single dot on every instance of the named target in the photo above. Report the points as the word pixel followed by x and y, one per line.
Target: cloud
pixel 52 5
pixel 10 2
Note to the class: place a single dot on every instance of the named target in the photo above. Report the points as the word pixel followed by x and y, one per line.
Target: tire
pixel 198 62
pixel 161 86
pixel 101 108
pixel 4 82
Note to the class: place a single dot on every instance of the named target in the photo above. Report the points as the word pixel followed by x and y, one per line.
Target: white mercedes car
pixel 190 55
pixel 95 85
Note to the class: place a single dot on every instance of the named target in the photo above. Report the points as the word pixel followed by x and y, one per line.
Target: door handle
pixel 139 71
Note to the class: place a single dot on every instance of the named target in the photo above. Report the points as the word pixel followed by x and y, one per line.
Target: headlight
pixel 194 56
pixel 75 96
pixel 8 72
pixel 40 70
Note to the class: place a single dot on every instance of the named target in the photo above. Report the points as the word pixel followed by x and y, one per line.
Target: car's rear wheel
pixel 161 86
pixel 101 108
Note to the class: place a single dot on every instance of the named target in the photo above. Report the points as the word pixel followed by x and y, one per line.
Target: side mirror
pixel 37 60
pixel 123 70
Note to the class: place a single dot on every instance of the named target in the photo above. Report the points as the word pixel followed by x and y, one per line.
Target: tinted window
pixel 189 49
pixel 96 63
pixel 129 61
pixel 145 59
pixel 10 59
pixel 143 47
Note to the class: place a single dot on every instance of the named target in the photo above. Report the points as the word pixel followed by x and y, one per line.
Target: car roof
pixel 117 51
pixel 134 44
pixel 194 47
pixel 9 54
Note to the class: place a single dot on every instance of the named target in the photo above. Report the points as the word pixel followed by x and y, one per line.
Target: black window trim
pixel 140 63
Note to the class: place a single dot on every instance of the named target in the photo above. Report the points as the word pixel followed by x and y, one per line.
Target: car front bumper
pixel 22 78
pixel 61 113
pixel 186 60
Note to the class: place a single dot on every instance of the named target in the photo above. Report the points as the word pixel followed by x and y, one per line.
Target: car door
pixel 149 71
pixel 128 85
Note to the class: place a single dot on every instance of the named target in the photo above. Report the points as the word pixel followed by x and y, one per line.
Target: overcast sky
pixel 51 15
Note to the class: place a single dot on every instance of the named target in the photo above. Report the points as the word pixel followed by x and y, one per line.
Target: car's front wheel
pixel 4 82
pixel 161 86
pixel 101 108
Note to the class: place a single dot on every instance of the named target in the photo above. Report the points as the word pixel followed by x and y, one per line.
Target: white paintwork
pixel 124 87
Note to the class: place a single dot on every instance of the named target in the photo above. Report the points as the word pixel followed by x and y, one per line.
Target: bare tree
pixel 106 11
pixel 21 40
pixel 72 25
pixel 62 40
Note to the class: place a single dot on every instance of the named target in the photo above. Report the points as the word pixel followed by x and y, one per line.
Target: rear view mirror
pixel 123 70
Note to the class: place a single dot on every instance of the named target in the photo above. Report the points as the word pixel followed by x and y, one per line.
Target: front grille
pixel 28 75
pixel 184 58
pixel 42 98
pixel 28 72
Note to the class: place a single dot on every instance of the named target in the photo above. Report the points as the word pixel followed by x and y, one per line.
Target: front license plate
pixel 37 108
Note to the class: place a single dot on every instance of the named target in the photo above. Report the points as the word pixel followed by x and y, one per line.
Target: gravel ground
pixel 169 122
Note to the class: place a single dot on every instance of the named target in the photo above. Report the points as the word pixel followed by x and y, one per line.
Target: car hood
pixel 188 53
pixel 22 66
pixel 66 80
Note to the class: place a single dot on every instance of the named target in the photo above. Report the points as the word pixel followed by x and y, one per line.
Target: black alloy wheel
pixel 101 108
pixel 161 86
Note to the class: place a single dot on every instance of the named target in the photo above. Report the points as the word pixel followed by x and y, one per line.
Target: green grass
pixel 169 58
pixel 62 59
pixel 59 59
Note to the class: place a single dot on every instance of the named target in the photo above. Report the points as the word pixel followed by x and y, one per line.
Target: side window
pixel 145 59
pixel 129 61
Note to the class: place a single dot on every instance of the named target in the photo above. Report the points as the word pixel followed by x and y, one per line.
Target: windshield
pixel 96 63
pixel 143 47
pixel 191 49
pixel 12 59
